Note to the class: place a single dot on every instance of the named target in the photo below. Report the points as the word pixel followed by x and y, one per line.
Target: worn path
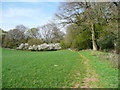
pixel 91 77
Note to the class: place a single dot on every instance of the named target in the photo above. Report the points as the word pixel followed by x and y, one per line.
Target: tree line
pixel 48 33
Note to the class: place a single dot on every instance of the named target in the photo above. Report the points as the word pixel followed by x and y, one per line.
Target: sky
pixel 29 14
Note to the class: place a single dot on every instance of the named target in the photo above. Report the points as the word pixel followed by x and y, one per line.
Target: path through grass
pixel 108 76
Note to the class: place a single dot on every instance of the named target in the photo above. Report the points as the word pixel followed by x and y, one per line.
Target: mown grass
pixel 49 69
pixel 108 75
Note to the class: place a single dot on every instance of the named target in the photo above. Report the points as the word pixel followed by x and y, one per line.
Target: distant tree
pixel 76 38
pixel 21 28
pixel 46 32
pixel 13 38
pixel 57 35
pixel 34 41
pixel 51 33
pixel 2 31
pixel 15 34
pixel 2 36
pixel 33 32
pixel 71 33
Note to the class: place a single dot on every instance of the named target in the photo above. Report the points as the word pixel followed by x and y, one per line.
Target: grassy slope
pixel 108 75
pixel 37 69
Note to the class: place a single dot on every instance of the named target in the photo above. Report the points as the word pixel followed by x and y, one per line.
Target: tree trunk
pixel 94 43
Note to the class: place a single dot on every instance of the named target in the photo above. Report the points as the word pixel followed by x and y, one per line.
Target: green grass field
pixel 55 69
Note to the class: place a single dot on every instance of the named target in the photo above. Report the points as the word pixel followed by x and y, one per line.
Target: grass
pixel 0 68
pixel 54 69
pixel 108 74
pixel 48 69
pixel 105 56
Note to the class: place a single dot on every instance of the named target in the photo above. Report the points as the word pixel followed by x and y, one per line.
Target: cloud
pixel 32 0
pixel 0 13
pixel 20 0
pixel 31 17
pixel 60 0
pixel 28 14
pixel 12 12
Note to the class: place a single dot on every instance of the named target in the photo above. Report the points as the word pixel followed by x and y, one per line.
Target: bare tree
pixel 21 28
pixel 15 35
pixel 33 32
pixel 51 33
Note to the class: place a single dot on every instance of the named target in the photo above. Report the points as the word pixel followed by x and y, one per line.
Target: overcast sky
pixel 30 14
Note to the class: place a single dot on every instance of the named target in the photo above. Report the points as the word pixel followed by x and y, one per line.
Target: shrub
pixel 82 41
pixel 106 42
pixel 9 43
pixel 34 41
pixel 81 44
pixel 62 44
